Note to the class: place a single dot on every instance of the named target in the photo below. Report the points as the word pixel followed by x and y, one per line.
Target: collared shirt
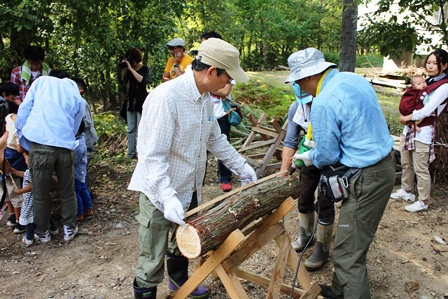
pixel 80 159
pixel 24 86
pixel 176 130
pixel 348 124
pixel 51 112
pixel 218 108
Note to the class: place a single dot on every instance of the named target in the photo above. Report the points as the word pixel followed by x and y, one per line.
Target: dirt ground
pixel 405 259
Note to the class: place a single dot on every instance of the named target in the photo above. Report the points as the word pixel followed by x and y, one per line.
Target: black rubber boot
pixel 322 250
pixel 326 292
pixel 306 222
pixel 177 267
pixel 144 293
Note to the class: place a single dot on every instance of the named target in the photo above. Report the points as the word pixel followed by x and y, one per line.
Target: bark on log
pixel 439 167
pixel 207 231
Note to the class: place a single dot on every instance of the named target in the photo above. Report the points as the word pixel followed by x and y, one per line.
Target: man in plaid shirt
pixel 177 128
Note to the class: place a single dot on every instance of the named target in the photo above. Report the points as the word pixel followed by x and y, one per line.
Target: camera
pixel 123 64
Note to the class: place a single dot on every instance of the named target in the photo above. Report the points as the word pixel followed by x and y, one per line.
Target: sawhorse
pixel 271 138
pixel 237 248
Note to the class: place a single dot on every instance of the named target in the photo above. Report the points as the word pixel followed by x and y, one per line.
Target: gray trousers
pixel 43 161
pixel 156 235
pixel 358 221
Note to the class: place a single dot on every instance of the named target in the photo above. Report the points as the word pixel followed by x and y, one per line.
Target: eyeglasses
pixel 230 78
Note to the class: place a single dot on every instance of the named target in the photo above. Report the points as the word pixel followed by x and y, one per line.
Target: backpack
pixel 412 99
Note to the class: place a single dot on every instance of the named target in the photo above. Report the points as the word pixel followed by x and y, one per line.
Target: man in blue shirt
pixel 349 128
pixel 49 118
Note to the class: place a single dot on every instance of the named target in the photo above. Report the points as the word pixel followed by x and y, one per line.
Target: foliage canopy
pixel 396 26
pixel 88 38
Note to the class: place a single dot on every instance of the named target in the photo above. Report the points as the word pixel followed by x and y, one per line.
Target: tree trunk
pixel 347 55
pixel 439 167
pixel 208 230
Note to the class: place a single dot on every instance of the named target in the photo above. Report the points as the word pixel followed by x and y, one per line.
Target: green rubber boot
pixel 322 250
pixel 306 230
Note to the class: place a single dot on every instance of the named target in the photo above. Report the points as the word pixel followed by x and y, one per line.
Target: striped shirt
pixel 176 130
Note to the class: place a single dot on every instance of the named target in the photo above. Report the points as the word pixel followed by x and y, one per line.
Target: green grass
pixel 266 91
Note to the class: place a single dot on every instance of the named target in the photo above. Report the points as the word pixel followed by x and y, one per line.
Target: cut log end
pixel 188 241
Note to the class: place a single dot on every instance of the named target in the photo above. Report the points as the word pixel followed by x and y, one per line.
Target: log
pixel 208 230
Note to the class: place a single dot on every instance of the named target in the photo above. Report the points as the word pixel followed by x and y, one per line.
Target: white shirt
pixel 302 116
pixel 218 109
pixel 432 102
pixel 176 130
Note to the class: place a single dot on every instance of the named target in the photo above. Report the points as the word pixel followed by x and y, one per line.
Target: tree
pixel 347 55
pixel 394 33
pixel 87 38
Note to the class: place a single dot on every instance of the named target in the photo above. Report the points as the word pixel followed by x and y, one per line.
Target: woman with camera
pixel 135 77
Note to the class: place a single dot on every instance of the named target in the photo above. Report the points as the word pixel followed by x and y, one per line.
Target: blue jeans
pixel 87 173
pixel 82 196
pixel 224 174
pixel 133 119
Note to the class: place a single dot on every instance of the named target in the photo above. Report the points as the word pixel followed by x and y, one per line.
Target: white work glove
pixel 174 211
pixel 309 143
pixel 305 157
pixel 247 175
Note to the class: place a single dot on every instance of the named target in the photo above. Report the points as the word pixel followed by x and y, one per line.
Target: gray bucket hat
pixel 305 63
pixel 176 42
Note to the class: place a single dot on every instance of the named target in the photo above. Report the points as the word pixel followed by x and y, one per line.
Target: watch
pixel 176 65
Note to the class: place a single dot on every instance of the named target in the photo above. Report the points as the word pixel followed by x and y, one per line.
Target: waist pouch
pixel 334 182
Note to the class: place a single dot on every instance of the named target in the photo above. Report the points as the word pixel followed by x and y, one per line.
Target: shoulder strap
pixel 435 85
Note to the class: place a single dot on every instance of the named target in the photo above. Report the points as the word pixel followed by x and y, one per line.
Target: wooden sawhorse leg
pixel 237 248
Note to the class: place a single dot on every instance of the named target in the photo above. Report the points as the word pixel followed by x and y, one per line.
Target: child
pixel 90 134
pixel 9 91
pixel 418 82
pixel 14 161
pixel 26 213
pixel 82 195
pixel 410 99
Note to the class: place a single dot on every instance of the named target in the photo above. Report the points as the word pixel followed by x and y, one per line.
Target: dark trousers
pixel 359 217
pixel 43 161
pixel 224 174
pixel 309 179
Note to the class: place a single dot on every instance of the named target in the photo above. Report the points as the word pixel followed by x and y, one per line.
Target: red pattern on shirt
pixel 16 77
